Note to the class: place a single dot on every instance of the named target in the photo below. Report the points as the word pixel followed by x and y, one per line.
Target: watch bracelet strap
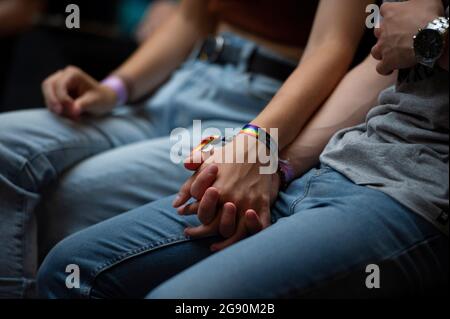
pixel 440 24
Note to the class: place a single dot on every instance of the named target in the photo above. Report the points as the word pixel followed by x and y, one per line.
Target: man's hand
pixel 401 21
pixel 71 92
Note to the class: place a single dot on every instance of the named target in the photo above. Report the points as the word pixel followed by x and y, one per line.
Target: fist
pixel 72 92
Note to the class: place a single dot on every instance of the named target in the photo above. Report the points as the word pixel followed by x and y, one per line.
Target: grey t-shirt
pixel 403 147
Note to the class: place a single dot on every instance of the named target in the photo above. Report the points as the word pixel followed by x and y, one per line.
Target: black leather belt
pixel 217 50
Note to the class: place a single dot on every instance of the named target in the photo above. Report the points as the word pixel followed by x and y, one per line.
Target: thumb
pixel 88 102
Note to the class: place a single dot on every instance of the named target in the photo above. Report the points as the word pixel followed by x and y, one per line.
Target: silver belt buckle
pixel 218 48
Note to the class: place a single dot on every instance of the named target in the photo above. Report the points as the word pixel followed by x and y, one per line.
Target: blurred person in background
pixel 35 42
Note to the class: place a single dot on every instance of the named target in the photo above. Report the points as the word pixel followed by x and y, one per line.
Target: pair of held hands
pixel 234 199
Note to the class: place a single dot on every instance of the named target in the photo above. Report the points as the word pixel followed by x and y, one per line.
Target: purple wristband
pixel 116 84
pixel 287 172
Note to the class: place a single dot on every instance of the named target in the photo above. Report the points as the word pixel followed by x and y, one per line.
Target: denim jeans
pixel 326 231
pixel 58 176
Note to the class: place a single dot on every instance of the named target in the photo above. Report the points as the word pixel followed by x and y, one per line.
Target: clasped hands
pixel 233 200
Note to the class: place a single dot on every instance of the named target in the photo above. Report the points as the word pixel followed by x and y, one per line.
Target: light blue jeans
pixel 326 232
pixel 59 176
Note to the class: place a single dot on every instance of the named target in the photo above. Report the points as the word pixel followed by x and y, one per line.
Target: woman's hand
pixel 71 93
pixel 218 185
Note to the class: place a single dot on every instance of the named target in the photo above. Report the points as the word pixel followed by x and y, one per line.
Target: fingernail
pixel 176 200
pixel 180 210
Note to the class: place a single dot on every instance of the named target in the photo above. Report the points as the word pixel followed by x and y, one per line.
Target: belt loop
pixel 248 49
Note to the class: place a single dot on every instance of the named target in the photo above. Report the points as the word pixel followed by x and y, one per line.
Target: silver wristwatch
pixel 430 42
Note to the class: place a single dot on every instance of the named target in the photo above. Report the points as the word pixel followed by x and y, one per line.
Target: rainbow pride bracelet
pixel 203 146
pixel 262 136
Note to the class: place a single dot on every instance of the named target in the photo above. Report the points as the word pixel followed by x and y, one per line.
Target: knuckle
pixel 49 81
pixel 375 50
pixel 185 188
pixel 265 199
pixel 380 68
pixel 72 69
pixel 44 85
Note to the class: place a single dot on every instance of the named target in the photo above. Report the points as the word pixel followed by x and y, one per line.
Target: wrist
pixel 433 6
pixel 120 88
pixel 262 136
pixel 431 41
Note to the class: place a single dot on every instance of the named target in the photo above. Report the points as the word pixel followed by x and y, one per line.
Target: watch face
pixel 428 44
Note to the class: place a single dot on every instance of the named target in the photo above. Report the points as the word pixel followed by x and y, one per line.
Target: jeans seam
pixel 318 173
pixel 86 291
pixel 28 162
pixel 300 199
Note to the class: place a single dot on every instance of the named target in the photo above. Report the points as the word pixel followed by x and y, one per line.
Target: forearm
pixel 156 59
pixel 327 57
pixel 303 93
pixel 347 106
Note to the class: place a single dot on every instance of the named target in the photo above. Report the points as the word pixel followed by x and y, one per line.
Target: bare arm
pixel 157 58
pixel 337 30
pixel 347 106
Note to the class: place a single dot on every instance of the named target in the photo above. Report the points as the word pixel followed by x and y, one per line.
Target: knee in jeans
pixel 65 212
pixel 160 293
pixel 20 147
pixel 59 275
